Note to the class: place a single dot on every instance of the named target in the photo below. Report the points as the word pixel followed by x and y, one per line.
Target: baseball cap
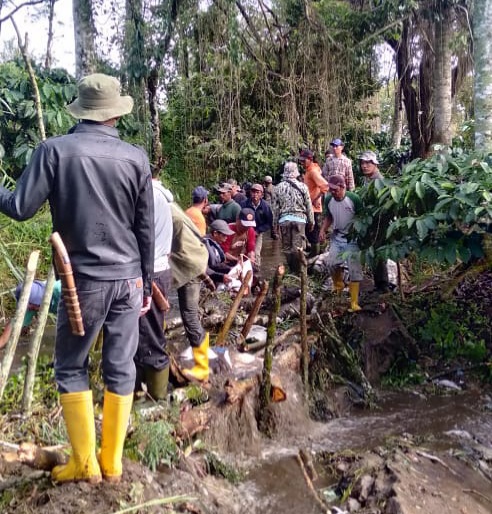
pixel 369 156
pixel 247 217
pixel 222 227
pixel 336 181
pixel 306 154
pixel 257 187
pixel 224 188
pixel 267 179
pixel 336 142
pixel 199 194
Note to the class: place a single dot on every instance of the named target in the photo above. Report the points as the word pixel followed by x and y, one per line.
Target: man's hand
pixel 147 302
pixel 322 236
pixel 310 227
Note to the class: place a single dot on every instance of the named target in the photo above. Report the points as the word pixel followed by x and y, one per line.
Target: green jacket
pixel 189 256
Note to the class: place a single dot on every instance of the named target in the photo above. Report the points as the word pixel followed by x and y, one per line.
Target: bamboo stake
pixel 266 379
pixel 254 311
pixel 303 322
pixel 36 342
pixel 235 304
pixel 18 320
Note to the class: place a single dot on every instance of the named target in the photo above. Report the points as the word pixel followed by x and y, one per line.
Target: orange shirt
pixel 316 184
pixel 198 219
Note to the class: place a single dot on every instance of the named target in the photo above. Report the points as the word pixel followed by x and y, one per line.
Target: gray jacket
pixel 100 193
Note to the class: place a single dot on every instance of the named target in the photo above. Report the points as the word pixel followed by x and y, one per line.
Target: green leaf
pixel 487 196
pixel 410 222
pixel 422 229
pixel 420 190
pixel 450 253
pixel 395 194
pixel 464 253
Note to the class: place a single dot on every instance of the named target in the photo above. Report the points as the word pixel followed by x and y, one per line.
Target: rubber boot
pixel 354 297
pixel 116 413
pixel 200 371
pixel 78 413
pixel 338 283
pixel 157 380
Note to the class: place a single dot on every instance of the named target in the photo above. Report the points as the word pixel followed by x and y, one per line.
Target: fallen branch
pixel 254 311
pixel 310 485
pixel 433 458
pixel 478 493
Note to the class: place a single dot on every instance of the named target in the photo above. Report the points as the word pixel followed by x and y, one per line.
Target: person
pixel 189 258
pixel 369 166
pixel 237 195
pixel 229 209
pixel 35 298
pixel 368 162
pixel 263 217
pixel 292 211
pixel 199 199
pixel 100 193
pixel 339 164
pixel 217 267
pixel 317 187
pixel 268 189
pixel 243 240
pixel 341 206
pixel 151 359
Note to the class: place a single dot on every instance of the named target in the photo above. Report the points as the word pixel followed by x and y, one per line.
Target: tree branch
pixel 25 4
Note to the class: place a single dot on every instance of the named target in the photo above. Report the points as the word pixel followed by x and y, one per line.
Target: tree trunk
pixel 397 124
pixel 49 44
pixel 482 35
pixel 85 35
pixel 443 78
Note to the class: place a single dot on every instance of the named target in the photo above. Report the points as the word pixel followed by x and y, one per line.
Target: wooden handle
pixel 69 291
pixel 159 299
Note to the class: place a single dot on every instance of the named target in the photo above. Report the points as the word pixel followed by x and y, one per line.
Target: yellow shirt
pixel 198 219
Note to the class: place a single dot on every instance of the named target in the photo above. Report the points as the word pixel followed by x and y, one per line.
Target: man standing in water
pixel 100 193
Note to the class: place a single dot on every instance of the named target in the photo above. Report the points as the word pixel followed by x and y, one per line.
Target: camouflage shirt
pixel 291 198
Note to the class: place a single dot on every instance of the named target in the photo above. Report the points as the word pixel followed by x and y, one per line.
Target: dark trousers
pixel 152 341
pixel 113 306
pixel 292 235
pixel 188 299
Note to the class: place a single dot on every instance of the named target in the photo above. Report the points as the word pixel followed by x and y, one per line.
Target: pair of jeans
pixel 112 306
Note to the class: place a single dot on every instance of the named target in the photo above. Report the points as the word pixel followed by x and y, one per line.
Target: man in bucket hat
pixel 100 193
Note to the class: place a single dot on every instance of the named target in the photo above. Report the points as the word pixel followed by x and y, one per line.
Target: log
pixel 35 456
pixel 18 320
pixel 254 311
pixel 303 322
pixel 221 337
pixel 236 390
pixel 193 421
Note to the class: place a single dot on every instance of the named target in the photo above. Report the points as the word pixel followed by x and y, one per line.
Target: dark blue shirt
pixel 263 215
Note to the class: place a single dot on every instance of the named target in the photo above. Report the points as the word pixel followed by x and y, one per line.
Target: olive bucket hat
pixel 99 99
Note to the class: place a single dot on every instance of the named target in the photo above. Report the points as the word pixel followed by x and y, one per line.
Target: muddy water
pixel 277 485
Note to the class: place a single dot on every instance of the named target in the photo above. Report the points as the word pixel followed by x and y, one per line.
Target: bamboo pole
pixel 303 322
pixel 235 304
pixel 266 379
pixel 254 311
pixel 18 320
pixel 36 342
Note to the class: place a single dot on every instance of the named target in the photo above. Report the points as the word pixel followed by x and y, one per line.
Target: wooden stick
pixel 254 311
pixel 36 342
pixel 235 304
pixel 303 320
pixel 159 299
pixel 266 379
pixel 69 291
pixel 18 320
pixel 310 485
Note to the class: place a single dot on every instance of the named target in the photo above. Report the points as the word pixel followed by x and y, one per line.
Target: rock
pixel 448 384
pixel 353 505
pixel 366 485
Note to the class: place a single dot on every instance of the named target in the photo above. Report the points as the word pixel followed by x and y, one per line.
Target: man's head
pixel 337 145
pixel 336 187
pixel 234 186
pixel 291 171
pixel 199 195
pixel 225 192
pixel 219 230
pixel 368 163
pixel 256 193
pixel 99 99
pixel 306 157
pixel 267 180
pixel 245 219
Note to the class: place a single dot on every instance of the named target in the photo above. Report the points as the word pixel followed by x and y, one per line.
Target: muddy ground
pixel 408 474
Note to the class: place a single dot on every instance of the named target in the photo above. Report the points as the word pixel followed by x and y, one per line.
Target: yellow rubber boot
pixel 337 277
pixel 200 370
pixel 354 297
pixel 116 413
pixel 78 413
